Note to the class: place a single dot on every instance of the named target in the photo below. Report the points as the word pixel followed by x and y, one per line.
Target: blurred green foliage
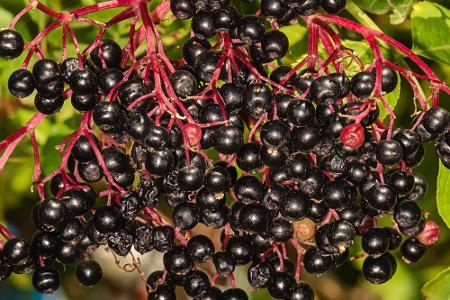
pixel 428 32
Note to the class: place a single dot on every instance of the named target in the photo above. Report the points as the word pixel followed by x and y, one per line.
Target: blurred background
pixel 17 197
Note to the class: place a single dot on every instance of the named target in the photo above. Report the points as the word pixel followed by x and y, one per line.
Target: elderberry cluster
pixel 290 162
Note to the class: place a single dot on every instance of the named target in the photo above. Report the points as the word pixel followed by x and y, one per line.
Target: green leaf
pixel 298 41
pixel 391 98
pixel 443 190
pixel 438 288
pixel 399 9
pixel 431 31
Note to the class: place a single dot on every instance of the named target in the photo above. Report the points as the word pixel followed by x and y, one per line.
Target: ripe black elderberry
pixel 196 283
pixel 190 178
pixel 389 152
pixel 273 8
pixel 316 262
pixel 235 294
pixel 218 179
pixel 402 182
pixel 11 44
pixel 108 219
pixel 224 263
pixel 254 217
pixel 225 19
pixel 131 91
pixel 83 81
pixel 16 251
pixel 21 83
pixel 202 25
pixel 46 105
pixel 295 206
pixel 333 6
pixel 89 272
pixel 182 9
pixel 248 158
pixel 108 53
pixel 337 194
pixel 109 78
pixel 46 280
pixel 258 100
pixel 302 291
pixel 51 212
pixel 77 201
pixel 109 117
pixel 201 248
pixel 241 248
pixel 186 215
pixel 324 88
pixel 362 84
pixel 307 7
pixel 407 214
pixel 412 250
pixel 301 112
pixel 250 29
pixel 248 189
pixel 379 270
pixel 280 230
pixel 282 285
pixel 228 139
pixel 177 261
pixel 389 79
pixel 382 197
pixel 436 120
pixel 183 82
pixel 274 44
pixel 341 234
pixel 376 241
pixel 83 102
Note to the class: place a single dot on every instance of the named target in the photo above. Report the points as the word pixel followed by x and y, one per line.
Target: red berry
pixel 430 233
pixel 193 132
pixel 353 136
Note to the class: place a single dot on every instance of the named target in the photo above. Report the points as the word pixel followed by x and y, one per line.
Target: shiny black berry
pixel 250 29
pixel 108 53
pixel 48 106
pixel 333 6
pixel 89 272
pixel 274 44
pixel 380 269
pixel 178 261
pixel 412 250
pixel 46 280
pixel 108 219
pixel 11 44
pixel 362 84
pixel 376 241
pixel 21 83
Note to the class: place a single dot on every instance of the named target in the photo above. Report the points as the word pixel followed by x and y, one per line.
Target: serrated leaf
pixel 438 288
pixel 431 31
pixel 399 9
pixel 391 99
pixel 443 190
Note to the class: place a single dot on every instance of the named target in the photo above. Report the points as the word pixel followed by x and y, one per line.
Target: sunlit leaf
pixel 438 288
pixel 442 193
pixel 431 31
pixel 399 9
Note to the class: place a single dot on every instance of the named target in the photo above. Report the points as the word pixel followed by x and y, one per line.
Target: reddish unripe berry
pixel 353 136
pixel 430 233
pixel 193 132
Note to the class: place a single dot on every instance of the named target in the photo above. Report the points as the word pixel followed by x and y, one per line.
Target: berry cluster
pixel 294 160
